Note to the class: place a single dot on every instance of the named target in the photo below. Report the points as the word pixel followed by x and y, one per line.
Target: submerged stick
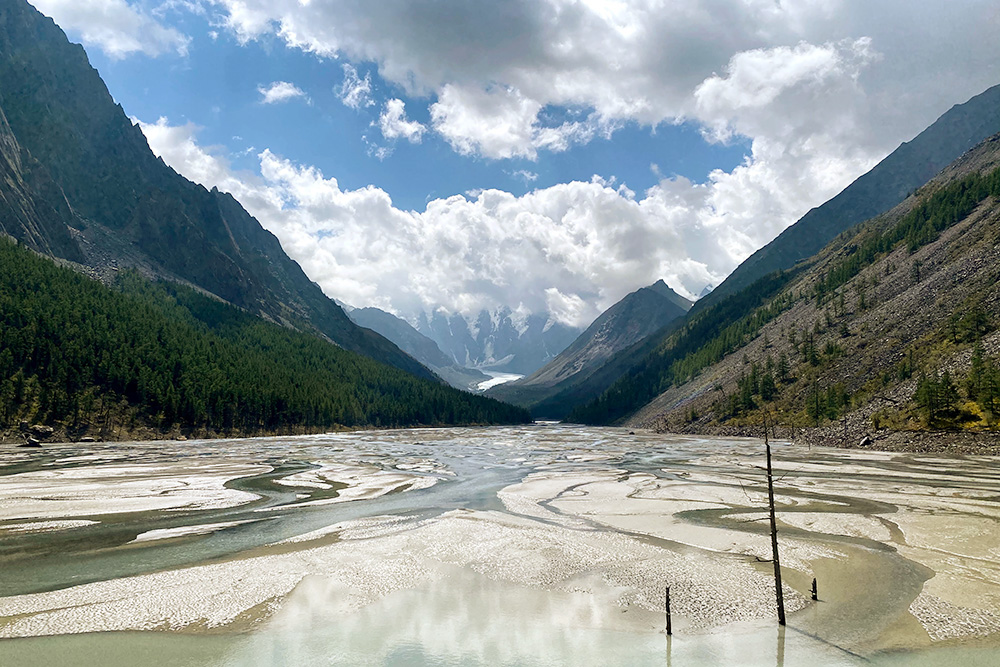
pixel 669 629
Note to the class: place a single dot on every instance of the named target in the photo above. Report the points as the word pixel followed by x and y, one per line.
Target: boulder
pixel 41 431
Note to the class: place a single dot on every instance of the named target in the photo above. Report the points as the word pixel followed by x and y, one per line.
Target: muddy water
pixel 537 545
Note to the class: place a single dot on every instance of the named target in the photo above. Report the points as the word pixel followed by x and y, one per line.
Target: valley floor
pixel 545 544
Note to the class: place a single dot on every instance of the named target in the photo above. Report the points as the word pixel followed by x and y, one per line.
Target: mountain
pixel 889 333
pixel 962 127
pixel 886 185
pixel 144 359
pixel 418 346
pixel 637 316
pixel 499 340
pixel 79 182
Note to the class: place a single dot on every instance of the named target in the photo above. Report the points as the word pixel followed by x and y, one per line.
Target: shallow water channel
pixel 547 544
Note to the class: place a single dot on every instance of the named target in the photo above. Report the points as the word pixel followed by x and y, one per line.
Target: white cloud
pixel 821 90
pixel 572 249
pixel 356 92
pixel 395 125
pixel 280 91
pixel 643 61
pixel 501 123
pixel 524 176
pixel 118 28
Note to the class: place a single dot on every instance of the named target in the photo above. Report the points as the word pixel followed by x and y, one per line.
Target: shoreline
pixel 884 440
pixel 12 439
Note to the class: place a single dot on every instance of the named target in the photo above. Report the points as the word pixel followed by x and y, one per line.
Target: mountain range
pixel 499 340
pixel 81 184
pixel 878 308
pixel 901 173
pixel 888 334
pixel 633 319
pixel 418 346
pixel 191 318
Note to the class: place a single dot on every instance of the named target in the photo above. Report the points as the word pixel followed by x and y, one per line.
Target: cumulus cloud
pixel 280 91
pixel 572 249
pixel 356 92
pixel 635 60
pixel 821 90
pixel 116 27
pixel 395 125
pixel 501 123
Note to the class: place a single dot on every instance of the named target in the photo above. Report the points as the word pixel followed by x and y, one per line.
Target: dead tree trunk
pixel 774 532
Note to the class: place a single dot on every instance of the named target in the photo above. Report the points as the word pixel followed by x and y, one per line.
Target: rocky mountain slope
pixel 637 316
pixel 499 340
pixel 889 335
pixel 418 346
pixel 886 185
pixel 900 173
pixel 79 182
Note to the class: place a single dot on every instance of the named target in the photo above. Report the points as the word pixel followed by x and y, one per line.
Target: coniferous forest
pixel 101 360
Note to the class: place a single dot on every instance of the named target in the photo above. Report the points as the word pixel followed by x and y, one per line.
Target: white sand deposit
pixel 905 548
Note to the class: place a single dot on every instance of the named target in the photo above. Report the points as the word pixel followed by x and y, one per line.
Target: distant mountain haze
pixel 631 320
pixel 418 346
pixel 499 340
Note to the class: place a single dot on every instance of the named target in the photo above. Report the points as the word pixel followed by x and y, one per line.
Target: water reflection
pixel 511 586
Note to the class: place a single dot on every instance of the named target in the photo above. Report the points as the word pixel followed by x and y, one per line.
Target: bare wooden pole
pixel 669 628
pixel 815 591
pixel 774 531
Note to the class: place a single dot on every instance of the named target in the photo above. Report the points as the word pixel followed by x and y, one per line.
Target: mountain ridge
pixel 497 340
pixel 88 189
pixel 908 167
pixel 418 346
pixel 628 322
pixel 847 345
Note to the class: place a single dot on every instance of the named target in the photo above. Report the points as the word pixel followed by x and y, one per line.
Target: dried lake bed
pixel 547 544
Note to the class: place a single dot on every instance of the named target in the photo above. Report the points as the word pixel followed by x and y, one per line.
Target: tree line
pixel 74 352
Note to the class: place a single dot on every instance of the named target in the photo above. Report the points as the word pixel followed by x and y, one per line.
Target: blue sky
pixel 541 155
pixel 216 88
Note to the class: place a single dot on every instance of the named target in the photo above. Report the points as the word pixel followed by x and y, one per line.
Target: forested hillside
pixel 892 326
pixel 78 181
pixel 88 359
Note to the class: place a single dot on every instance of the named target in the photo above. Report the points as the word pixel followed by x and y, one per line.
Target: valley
pixel 439 542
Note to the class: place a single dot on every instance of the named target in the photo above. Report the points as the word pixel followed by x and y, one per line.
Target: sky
pixel 548 156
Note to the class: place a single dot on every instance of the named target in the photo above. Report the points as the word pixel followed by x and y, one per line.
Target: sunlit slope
pixel 866 328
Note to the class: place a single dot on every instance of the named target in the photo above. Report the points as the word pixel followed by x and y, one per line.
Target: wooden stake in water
pixel 815 594
pixel 774 532
pixel 669 629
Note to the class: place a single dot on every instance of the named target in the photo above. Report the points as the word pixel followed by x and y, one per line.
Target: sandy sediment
pixel 573 523
pixel 112 489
